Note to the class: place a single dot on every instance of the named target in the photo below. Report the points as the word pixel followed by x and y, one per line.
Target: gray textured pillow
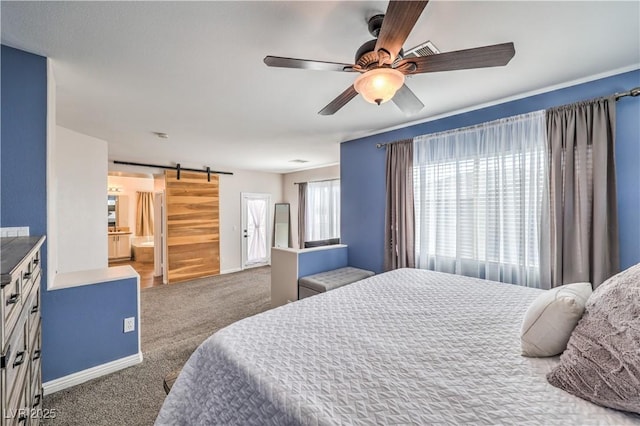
pixel 602 360
pixel 550 319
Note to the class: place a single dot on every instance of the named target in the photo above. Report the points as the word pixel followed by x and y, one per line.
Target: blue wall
pixel 82 327
pixel 85 328
pixel 315 261
pixel 362 167
pixel 24 133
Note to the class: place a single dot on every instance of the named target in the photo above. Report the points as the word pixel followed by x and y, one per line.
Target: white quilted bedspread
pixel 405 347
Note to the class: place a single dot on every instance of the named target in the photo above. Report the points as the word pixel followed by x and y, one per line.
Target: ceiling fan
pixel 383 69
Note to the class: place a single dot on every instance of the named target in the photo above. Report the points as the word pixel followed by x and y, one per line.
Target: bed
pixel 404 347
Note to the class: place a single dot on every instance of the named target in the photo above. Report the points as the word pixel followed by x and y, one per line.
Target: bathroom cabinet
pixel 20 335
pixel 119 246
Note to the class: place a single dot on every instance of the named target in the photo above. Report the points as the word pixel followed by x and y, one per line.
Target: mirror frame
pixel 288 223
pixel 114 210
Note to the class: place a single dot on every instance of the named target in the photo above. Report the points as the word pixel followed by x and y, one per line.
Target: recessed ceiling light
pixel 161 135
pixel 298 161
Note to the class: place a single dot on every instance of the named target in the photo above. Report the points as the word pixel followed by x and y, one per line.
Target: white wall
pixel 231 186
pixel 52 178
pixel 80 164
pixel 290 191
pixel 127 197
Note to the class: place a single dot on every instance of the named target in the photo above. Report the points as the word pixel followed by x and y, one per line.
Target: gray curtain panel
pixel 399 229
pixel 581 214
pixel 302 212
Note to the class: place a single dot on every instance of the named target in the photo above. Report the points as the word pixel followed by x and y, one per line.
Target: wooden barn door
pixel 193 226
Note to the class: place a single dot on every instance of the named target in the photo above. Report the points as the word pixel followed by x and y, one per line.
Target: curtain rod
pixel 177 168
pixel 382 145
pixel 633 92
pixel 315 181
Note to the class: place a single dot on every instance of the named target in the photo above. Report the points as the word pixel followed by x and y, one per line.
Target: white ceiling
pixel 194 69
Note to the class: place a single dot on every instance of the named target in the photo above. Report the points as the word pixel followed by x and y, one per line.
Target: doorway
pixel 159 232
pixel 130 244
pixel 255 229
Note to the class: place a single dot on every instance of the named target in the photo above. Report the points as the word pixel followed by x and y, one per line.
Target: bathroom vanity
pixel 119 245
pixel 119 236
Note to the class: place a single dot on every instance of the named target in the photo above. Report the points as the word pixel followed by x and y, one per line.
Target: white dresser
pixel 20 334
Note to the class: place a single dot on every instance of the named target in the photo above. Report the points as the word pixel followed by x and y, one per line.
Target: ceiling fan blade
pixel 407 101
pixel 306 64
pixel 339 102
pixel 398 22
pixel 479 57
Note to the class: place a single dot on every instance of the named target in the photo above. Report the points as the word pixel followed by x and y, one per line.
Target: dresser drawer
pixel 36 356
pixel 17 359
pixel 30 282
pixel 35 263
pixel 11 300
pixel 18 413
pixel 36 399
pixel 33 312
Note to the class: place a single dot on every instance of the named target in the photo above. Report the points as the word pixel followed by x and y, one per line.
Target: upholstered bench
pixel 329 280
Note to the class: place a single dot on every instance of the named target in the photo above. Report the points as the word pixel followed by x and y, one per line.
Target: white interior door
pixel 256 229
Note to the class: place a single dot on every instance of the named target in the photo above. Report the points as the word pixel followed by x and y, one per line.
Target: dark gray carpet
pixel 175 320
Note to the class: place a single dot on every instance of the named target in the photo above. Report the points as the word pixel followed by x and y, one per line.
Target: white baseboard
pixel 90 373
pixel 230 271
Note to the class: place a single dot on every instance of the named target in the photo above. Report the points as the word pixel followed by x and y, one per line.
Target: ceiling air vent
pixel 298 161
pixel 425 49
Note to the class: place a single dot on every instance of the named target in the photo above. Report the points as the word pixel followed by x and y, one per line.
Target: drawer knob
pixel 19 359
pixel 36 354
pixel 13 299
pixel 37 401
pixel 35 309
pixel 36 261
pixel 26 275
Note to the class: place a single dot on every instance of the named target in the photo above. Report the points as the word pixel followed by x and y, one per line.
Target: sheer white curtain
pixel 478 199
pixel 323 210
pixel 257 230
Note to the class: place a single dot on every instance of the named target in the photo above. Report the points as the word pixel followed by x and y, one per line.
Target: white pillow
pixel 551 318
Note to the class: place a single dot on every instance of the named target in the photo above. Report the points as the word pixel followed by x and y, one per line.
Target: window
pixel 322 216
pixel 478 199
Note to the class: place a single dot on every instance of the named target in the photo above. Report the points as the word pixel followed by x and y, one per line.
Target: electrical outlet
pixel 129 324
pixel 14 231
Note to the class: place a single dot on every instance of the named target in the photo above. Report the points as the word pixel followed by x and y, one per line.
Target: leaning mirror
pixel 281 225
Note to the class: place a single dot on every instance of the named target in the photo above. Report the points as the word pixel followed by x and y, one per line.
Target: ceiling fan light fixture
pixel 379 85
